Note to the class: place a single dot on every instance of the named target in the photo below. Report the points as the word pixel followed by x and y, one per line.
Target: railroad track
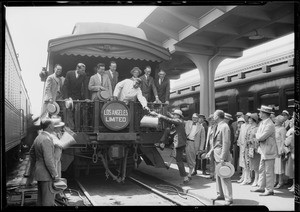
pixel 136 190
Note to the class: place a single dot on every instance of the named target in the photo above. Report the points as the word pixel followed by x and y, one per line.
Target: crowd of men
pixel 105 85
pixel 262 145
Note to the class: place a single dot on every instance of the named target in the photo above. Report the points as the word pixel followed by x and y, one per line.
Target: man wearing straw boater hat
pixel 180 138
pixel 222 157
pixel 265 135
pixel 42 163
pixel 129 89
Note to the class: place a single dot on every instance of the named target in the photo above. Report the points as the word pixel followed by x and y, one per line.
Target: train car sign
pixel 115 115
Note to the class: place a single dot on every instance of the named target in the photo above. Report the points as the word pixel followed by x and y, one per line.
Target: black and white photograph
pixel 130 103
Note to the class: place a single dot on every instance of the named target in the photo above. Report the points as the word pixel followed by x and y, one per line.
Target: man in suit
pixel 100 82
pixel 75 85
pixel 195 141
pixel 202 162
pixel 113 74
pixel 162 85
pixel 179 139
pixel 209 145
pixel 53 86
pixel 267 148
pixel 222 154
pixel 148 88
pixel 42 163
pixel 235 148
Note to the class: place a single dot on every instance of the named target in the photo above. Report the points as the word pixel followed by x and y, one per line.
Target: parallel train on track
pixel 264 76
pixel 17 103
pixel 103 140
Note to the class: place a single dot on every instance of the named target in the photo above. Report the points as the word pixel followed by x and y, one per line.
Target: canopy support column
pixel 207 66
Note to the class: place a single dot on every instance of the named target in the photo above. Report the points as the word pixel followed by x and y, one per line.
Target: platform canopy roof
pixel 205 30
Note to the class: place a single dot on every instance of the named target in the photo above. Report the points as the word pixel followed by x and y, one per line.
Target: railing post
pixel 85 116
pixel 77 116
pixel 131 123
pixel 96 116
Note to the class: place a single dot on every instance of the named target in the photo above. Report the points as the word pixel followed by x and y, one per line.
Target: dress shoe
pixel 228 202
pixel 254 184
pixel 185 182
pixel 219 198
pixel 194 173
pixel 245 182
pixel 275 184
pixel 240 180
pixel 279 186
pixel 267 193
pixel 205 173
pixel 258 190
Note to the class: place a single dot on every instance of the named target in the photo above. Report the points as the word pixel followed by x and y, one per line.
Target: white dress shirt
pixel 192 134
pixel 125 91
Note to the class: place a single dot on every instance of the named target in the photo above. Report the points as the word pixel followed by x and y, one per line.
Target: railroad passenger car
pixel 108 138
pixel 265 76
pixel 17 103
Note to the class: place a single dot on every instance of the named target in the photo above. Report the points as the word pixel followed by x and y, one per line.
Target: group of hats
pixel 195 115
pixel 54 109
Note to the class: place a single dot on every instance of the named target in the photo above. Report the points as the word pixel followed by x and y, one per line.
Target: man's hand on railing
pixel 87 100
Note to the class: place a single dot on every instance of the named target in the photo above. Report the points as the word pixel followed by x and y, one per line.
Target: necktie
pixel 159 81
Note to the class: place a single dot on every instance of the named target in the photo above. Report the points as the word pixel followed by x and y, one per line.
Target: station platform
pixel 205 188
pixel 200 186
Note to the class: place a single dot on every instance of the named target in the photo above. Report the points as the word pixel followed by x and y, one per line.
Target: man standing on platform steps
pixel 180 137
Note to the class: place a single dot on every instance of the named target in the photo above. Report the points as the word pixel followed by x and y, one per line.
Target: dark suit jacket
pixel 179 127
pixel 148 88
pixel 76 88
pixel 163 90
pixel 113 80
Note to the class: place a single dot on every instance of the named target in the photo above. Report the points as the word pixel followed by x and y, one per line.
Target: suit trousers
pixel 224 187
pixel 45 197
pixel 266 174
pixel 179 161
pixel 190 154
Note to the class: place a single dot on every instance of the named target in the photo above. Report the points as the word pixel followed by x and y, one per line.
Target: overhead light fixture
pixel 256 36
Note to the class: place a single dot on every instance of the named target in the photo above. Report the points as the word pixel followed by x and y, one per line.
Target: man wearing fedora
pixel 162 85
pixel 129 89
pixel 100 82
pixel 113 74
pixel 221 154
pixel 148 88
pixel 42 163
pixel 180 138
pixel 195 142
pixel 265 135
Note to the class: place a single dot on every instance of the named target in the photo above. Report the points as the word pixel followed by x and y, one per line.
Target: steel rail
pixel 86 193
pixel 157 192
